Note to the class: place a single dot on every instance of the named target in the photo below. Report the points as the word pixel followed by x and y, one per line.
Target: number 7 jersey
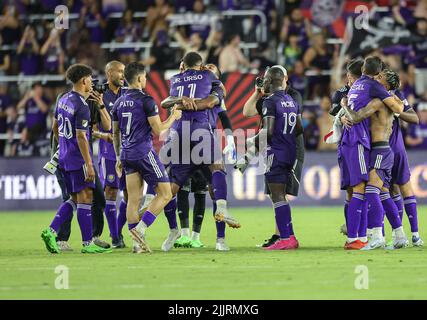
pixel 284 109
pixel 72 113
pixel 132 111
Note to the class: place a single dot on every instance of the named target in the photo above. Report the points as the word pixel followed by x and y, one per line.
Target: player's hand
pixel 90 173
pixel 176 113
pixel 189 104
pixel 344 102
pixel 97 97
pixel 119 168
pixel 230 150
pixel 346 122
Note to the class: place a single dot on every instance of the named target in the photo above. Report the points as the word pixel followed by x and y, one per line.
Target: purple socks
pixel 148 218
pixel 376 211
pixel 219 185
pixel 354 215
pixel 121 219
pixel 170 214
pixel 64 213
pixel 391 210
pixel 283 218
pixel 411 212
pixel 84 216
pixel 220 226
pixel 398 201
pixel 111 214
pixel 363 220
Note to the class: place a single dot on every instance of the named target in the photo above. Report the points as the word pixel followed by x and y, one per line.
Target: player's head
pixel 354 70
pixel 274 79
pixel 80 76
pixel 372 66
pixel 114 71
pixel 214 69
pixel 285 72
pixel 389 79
pixel 192 60
pixel 135 75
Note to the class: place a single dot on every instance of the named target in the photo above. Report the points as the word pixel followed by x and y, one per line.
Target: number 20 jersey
pixel 72 113
pixel 132 111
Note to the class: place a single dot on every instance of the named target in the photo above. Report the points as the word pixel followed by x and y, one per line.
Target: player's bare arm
pixel 249 109
pixel 410 116
pixel 105 117
pixel 394 104
pixel 158 126
pixel 364 113
pixel 84 150
pixel 101 135
pixel 55 129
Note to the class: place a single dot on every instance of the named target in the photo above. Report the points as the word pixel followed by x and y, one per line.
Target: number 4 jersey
pixel 284 109
pixel 72 113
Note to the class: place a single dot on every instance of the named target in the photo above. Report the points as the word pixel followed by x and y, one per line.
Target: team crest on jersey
pixel 85 123
pixel 111 177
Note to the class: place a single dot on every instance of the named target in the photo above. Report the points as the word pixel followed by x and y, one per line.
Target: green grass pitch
pixel 320 269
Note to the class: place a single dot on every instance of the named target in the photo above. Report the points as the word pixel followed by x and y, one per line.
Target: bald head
pixel 114 71
pixel 275 79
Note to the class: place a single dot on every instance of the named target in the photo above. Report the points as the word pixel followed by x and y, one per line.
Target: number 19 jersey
pixel 72 113
pixel 285 111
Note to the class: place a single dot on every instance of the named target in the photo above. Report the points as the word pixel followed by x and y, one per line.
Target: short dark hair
pixel 392 78
pixel 133 70
pixel 192 59
pixel 355 67
pixel 78 71
pixel 372 66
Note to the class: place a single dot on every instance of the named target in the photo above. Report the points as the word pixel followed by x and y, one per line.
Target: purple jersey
pixel 361 93
pixel 396 138
pixel 131 110
pixel 285 111
pixel 33 115
pixel 214 112
pixel 72 113
pixel 106 149
pixel 194 84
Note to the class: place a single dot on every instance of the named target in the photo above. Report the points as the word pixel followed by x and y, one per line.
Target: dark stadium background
pixel 159 32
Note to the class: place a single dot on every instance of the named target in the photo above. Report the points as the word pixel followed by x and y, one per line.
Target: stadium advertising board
pixel 25 186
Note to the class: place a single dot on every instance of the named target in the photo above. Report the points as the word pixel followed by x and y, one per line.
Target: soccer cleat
pixel 269 242
pixel 355 245
pixel 282 244
pixel 417 241
pixel 294 241
pixel 49 240
pixel 170 240
pixel 400 242
pixel 182 242
pixel 343 229
pixel 101 243
pixel 140 239
pixel 222 215
pixel 375 243
pixel 221 245
pixel 118 243
pixel 64 246
pixel 93 248
pixel 196 244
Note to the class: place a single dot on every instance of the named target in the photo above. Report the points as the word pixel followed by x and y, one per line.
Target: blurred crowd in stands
pixel 31 45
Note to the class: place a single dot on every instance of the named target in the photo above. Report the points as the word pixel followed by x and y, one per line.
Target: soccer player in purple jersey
pixel 282 126
pixel 355 152
pixel 193 91
pixel 217 112
pixel 372 123
pixel 70 126
pixel 114 71
pixel 401 173
pixel 135 117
